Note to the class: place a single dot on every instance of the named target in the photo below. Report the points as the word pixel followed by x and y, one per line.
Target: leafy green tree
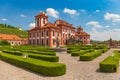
pixel 4 42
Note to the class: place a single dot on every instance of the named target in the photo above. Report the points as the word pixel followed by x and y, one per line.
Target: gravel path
pixel 76 70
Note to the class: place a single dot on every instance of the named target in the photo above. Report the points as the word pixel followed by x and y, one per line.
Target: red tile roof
pixel 64 23
pixel 35 28
pixel 82 34
pixel 42 14
pixel 10 37
pixel 48 25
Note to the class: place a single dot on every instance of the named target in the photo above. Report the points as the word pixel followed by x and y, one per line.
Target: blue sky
pixel 100 18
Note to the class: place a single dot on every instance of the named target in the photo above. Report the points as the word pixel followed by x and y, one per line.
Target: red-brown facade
pixel 46 33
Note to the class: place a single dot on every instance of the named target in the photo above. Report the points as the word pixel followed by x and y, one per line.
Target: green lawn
pixel 20 33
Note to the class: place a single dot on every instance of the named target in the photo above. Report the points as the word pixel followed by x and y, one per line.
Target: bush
pixel 91 56
pixel 81 52
pixel 36 56
pixel 40 52
pixel 39 66
pixel 4 42
pixel 110 64
pixel 73 50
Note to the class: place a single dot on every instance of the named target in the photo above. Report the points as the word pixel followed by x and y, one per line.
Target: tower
pixel 79 29
pixel 41 19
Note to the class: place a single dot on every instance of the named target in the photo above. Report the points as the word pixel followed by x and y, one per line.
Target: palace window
pixel 53 41
pixel 58 33
pixel 42 42
pixel 37 34
pixel 38 22
pixel 63 35
pixel 42 34
pixel 53 33
pixel 47 42
pixel 43 20
pixel 33 34
pixel 33 42
pixel 47 33
pixel 37 41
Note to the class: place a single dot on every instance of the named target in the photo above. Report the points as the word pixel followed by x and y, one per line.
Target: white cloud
pixel 112 17
pixel 52 12
pixel 32 25
pixel 97 11
pixel 3 19
pixel 94 24
pixel 107 26
pixel 22 15
pixel 105 35
pixel 94 30
pixel 70 11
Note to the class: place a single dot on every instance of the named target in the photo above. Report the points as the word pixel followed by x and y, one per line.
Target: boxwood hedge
pixel 91 55
pixel 36 56
pixel 40 52
pixel 39 66
pixel 81 52
pixel 110 64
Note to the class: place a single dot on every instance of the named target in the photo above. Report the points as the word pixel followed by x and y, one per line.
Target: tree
pixel 4 42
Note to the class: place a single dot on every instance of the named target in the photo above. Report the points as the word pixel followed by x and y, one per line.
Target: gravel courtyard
pixel 76 70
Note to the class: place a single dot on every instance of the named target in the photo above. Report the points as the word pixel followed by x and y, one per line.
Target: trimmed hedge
pixel 39 66
pixel 110 64
pixel 36 56
pixel 72 50
pixel 91 56
pixel 81 52
pixel 40 52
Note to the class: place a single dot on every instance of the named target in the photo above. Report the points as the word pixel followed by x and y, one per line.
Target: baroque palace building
pixel 47 34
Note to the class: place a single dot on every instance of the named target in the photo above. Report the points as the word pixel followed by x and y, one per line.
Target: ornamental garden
pixel 43 60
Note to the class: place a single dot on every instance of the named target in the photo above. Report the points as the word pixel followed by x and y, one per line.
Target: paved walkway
pixel 76 70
